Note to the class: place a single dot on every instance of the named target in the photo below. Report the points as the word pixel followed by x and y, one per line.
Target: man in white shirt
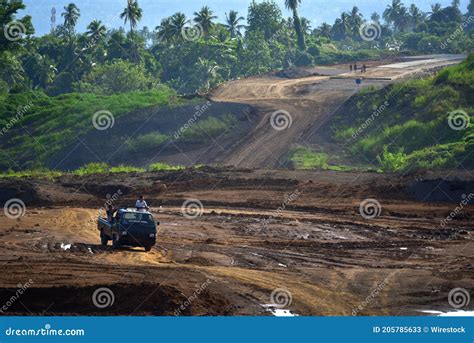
pixel 141 204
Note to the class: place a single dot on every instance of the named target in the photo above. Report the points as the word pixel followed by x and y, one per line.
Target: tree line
pixel 195 54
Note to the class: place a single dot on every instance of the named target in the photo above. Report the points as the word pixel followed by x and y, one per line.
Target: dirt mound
pixel 117 299
pixel 441 190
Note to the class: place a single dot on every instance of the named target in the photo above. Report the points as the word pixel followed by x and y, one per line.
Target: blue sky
pixel 318 11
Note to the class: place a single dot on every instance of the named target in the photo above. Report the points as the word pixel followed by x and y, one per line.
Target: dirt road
pixel 264 242
pixel 293 111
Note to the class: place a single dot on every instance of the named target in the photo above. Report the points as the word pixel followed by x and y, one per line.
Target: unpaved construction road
pixel 266 242
pixel 293 111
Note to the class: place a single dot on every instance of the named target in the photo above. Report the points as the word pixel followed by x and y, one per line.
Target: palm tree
pixel 204 18
pixel 402 21
pixel 324 30
pixel 355 20
pixel 71 15
pixel 132 13
pixel 306 25
pixel 345 23
pixel 416 16
pixel 293 6
pixel 391 12
pixel 375 17
pixel 436 8
pixel 45 71
pixel 96 29
pixel 178 24
pixel 165 30
pixel 232 24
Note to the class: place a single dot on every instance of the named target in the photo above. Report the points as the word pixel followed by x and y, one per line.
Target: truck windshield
pixel 138 217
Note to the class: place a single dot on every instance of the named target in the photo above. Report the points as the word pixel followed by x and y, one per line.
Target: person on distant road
pixel 141 204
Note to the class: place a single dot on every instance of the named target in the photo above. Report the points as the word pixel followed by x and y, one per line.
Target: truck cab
pixel 129 227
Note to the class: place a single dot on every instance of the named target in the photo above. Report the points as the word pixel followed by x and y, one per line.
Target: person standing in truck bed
pixel 141 204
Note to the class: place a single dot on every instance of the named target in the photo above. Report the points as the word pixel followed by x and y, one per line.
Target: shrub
pixel 156 167
pixel 393 162
pixel 92 168
pixel 126 169
pixel 207 129
pixel 304 158
pixel 150 140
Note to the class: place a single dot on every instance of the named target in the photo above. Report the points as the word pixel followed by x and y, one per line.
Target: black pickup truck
pixel 129 227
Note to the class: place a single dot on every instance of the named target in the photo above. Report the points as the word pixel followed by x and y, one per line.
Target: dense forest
pixel 194 54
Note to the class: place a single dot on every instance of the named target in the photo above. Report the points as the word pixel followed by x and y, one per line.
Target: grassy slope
pixel 48 124
pixel 411 128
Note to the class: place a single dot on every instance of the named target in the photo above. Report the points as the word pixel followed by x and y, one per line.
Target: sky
pixel 318 11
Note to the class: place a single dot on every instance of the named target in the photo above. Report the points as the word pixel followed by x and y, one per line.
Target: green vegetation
pixel 106 60
pixel 152 140
pixel 305 158
pixel 89 169
pixel 51 86
pixel 419 124
pixel 45 125
pixel 207 129
pixel 157 167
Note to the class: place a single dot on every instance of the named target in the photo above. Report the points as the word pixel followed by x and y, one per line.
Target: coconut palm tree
pixel 132 13
pixel 204 18
pixel 324 30
pixel 355 21
pixel 293 6
pixel 391 12
pixel 232 23
pixel 71 15
pixel 375 17
pixel 178 24
pixel 96 29
pixel 416 16
pixel 45 71
pixel 345 23
pixel 165 30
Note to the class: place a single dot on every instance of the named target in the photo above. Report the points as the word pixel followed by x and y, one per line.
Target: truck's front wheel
pixel 103 239
pixel 115 241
